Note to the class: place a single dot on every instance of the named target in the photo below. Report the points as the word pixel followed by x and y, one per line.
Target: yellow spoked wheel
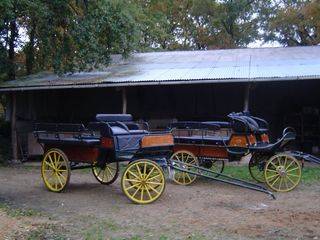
pixel 143 181
pixel 106 175
pixel 282 173
pixel 187 157
pixel 55 170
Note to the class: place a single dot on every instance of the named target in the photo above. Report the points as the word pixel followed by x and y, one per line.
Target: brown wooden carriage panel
pixel 157 140
pixel 80 154
pixel 203 151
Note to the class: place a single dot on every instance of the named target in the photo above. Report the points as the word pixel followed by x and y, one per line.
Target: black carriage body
pixel 112 138
pixel 241 135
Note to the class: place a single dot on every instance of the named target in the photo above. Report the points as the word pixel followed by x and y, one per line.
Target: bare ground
pixel 204 210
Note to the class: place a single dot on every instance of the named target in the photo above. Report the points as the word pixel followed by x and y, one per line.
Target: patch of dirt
pixel 204 210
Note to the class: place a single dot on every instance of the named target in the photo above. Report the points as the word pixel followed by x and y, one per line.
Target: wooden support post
pixel 246 98
pixel 14 140
pixel 124 101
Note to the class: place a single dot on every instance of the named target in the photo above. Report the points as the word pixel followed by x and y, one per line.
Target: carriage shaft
pixel 228 179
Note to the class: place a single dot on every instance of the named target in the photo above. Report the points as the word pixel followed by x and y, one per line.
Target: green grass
pixel 46 231
pixel 309 174
pixel 18 212
pixel 98 230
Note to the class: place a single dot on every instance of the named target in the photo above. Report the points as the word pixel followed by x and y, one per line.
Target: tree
pixel 293 23
pixel 225 24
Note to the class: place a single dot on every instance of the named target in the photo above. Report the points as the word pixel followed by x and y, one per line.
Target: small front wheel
pixel 106 175
pixel 179 158
pixel 55 170
pixel 256 167
pixel 282 173
pixel 143 181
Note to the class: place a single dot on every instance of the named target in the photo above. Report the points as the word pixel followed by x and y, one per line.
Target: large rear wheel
pixel 282 173
pixel 143 181
pixel 55 170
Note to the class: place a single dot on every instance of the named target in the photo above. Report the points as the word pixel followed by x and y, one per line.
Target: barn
pixel 281 85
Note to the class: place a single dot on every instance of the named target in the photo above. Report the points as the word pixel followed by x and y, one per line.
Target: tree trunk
pixel 30 49
pixel 11 53
pixel 14 140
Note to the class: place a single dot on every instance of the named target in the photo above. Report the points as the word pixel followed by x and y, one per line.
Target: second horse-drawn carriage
pixel 211 144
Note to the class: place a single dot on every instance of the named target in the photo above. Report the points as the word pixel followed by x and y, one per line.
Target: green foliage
pixel 67 35
pixel 291 23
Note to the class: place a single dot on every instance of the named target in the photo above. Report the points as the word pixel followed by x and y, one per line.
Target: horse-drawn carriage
pixel 211 144
pixel 101 146
pixel 185 151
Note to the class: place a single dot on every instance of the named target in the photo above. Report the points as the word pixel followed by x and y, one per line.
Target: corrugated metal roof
pixel 187 67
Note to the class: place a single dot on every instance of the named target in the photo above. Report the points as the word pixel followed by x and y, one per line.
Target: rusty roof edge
pixel 152 83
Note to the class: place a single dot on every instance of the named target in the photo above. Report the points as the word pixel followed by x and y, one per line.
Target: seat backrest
pixel 114 117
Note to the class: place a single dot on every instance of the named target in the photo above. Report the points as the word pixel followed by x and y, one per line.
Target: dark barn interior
pixel 285 103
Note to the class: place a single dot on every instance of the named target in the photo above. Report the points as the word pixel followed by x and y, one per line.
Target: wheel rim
pixel 180 177
pixel 107 174
pixel 143 181
pixel 55 170
pixel 256 170
pixel 282 173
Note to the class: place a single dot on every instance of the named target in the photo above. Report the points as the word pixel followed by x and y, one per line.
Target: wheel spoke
pixel 133 174
pixel 280 184
pixel 147 177
pixel 293 175
pixel 289 165
pixel 154 177
pixel 51 161
pixel 110 173
pixel 60 174
pixel 136 191
pixel 292 169
pixel 145 169
pixel 189 177
pixel 132 180
pixel 154 189
pixel 273 176
pixel 286 183
pixel 275 166
pixel 49 164
pixel 148 192
pixel 139 172
pixel 155 183
pixel 100 170
pixel 133 186
pixel 275 181
pixel 59 180
pixel 291 180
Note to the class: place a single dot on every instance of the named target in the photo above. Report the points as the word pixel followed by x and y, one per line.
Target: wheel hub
pixel 281 171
